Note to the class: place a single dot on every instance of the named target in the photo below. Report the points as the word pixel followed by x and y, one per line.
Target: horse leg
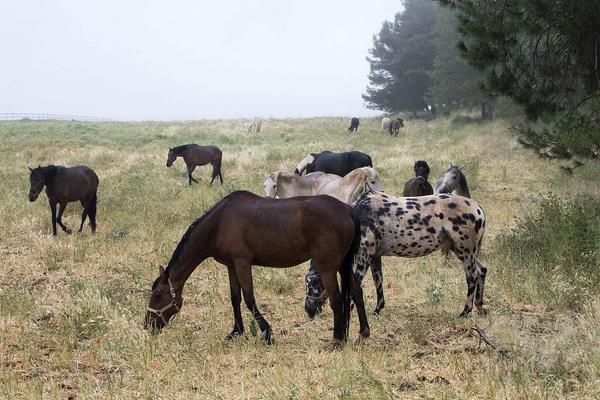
pixel 53 213
pixel 83 214
pixel 216 171
pixel 236 300
pixel 482 271
pixel 91 211
pixel 244 274
pixel 471 275
pixel 329 278
pixel 61 210
pixel 190 169
pixel 357 297
pixel 377 273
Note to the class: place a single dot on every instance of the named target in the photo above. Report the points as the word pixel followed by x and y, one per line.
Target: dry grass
pixel 71 307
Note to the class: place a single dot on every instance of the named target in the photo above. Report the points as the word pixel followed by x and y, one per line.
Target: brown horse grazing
pixel 244 229
pixel 64 185
pixel 195 155
pixel 418 186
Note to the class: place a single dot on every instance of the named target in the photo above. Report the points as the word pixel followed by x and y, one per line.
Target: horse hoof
pixel 464 314
pixel 267 337
pixel 482 311
pixel 376 312
pixel 365 333
pixel 68 231
pixel 233 335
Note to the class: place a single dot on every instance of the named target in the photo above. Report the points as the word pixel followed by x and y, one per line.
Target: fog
pixel 137 60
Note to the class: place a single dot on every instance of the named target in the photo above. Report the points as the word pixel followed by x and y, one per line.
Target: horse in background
pixel 333 163
pixel 453 181
pixel 245 229
pixel 255 125
pixel 64 185
pixel 418 186
pixel 395 126
pixel 354 122
pixel 194 155
pixel 284 184
pixel 385 124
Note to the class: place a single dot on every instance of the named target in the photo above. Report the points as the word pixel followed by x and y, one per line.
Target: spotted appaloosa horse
pixel 415 227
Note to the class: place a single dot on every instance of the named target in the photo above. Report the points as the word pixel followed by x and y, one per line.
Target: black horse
pixel 64 185
pixel 354 122
pixel 418 186
pixel 334 163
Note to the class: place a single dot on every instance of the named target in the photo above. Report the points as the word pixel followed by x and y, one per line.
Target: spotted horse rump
pixel 414 227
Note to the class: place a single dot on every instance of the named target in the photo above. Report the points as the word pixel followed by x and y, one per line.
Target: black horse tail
pixel 370 162
pixel 347 274
pixel 217 170
pixel 90 210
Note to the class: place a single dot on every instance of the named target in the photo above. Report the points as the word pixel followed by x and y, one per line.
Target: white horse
pixel 284 184
pixel 385 124
pixel 353 185
pixel 255 125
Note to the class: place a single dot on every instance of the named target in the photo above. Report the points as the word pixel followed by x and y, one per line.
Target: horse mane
pixel 462 181
pixel 179 149
pixel 304 163
pixel 184 239
pixel 48 172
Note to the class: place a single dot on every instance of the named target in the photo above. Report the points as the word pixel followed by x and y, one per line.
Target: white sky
pixel 150 59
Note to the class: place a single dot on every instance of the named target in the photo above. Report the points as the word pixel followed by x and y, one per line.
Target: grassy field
pixel 71 307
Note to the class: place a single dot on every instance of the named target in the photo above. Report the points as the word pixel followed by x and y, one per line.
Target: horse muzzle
pixel 32 197
pixel 153 323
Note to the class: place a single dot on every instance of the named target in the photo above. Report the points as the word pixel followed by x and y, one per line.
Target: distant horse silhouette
pixel 255 125
pixel 194 155
pixel 64 185
pixel 418 186
pixel 453 181
pixel 354 122
pixel 395 126
pixel 244 229
pixel 385 124
pixel 334 163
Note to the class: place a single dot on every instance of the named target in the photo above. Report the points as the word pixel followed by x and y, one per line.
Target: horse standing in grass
pixel 418 186
pixel 415 227
pixel 244 229
pixel 194 155
pixel 339 164
pixel 453 181
pixel 395 126
pixel 284 184
pixel 64 185
pixel 354 122
pixel 385 123
pixel 347 189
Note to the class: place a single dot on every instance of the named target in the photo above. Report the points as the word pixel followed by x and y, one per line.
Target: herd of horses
pixel 337 215
pixel 392 125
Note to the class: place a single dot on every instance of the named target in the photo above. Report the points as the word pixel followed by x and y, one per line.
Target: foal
pixel 194 155
pixel 244 229
pixel 453 181
pixel 64 185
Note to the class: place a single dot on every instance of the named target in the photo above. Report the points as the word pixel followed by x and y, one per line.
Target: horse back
pixel 201 155
pixel 73 184
pixel 280 232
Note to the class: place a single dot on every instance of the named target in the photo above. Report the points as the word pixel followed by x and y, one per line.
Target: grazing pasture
pixel 72 307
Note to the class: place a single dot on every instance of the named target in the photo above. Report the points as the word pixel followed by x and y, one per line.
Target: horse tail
pixel 90 210
pixel 217 169
pixel 347 275
pixel 370 161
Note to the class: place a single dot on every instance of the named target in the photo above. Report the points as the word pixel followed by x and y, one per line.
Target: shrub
pixel 555 251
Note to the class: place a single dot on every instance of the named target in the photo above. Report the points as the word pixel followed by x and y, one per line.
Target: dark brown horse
pixel 244 229
pixel 195 155
pixel 64 185
pixel 418 186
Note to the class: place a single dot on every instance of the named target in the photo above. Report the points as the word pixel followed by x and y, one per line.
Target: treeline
pixel 416 64
pixel 544 55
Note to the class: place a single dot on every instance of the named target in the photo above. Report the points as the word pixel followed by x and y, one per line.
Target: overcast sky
pixel 150 59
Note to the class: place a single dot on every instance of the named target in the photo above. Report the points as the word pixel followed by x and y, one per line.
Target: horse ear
pixel 31 169
pixel 161 270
